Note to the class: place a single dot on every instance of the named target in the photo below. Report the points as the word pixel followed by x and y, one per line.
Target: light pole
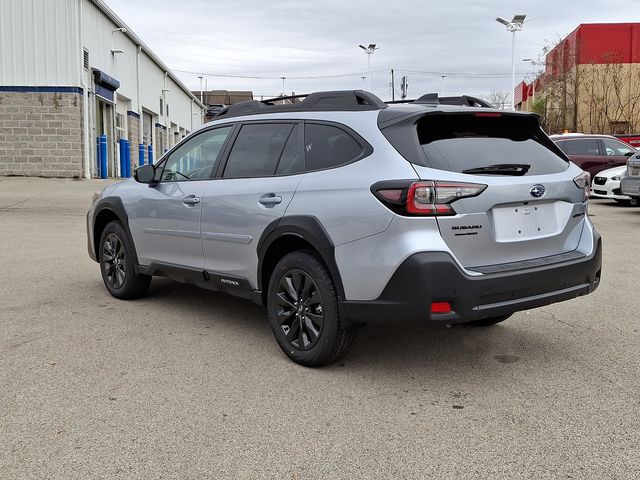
pixel 533 73
pixel 201 77
pixel 513 26
pixel 369 51
pixel 443 77
pixel 363 78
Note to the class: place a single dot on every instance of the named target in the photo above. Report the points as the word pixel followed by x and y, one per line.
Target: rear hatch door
pixel 531 208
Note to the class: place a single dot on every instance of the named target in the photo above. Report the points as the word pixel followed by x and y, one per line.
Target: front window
pixel 197 158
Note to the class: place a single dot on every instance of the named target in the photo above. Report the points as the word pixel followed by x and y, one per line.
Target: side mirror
pixel 630 154
pixel 145 174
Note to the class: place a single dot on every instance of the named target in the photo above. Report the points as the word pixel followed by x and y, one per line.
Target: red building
pixel 591 81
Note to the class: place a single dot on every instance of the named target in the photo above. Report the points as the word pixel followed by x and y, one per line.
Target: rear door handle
pixel 191 200
pixel 270 199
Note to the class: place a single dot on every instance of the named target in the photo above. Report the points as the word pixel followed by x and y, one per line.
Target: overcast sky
pixel 260 38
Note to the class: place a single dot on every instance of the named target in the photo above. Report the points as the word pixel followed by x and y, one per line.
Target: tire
pixel 488 322
pixel 303 311
pixel 118 264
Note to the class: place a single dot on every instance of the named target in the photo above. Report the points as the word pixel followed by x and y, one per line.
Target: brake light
pixel 487 114
pixel 424 198
pixel 583 181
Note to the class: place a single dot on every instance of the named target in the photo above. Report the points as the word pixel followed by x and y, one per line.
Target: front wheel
pixel 118 264
pixel 303 311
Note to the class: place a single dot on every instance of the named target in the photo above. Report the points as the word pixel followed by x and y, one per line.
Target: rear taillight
pixel 583 181
pixel 424 198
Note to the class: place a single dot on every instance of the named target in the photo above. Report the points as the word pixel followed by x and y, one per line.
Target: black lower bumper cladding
pixel 429 277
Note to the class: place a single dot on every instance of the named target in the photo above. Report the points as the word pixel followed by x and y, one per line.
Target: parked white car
pixel 606 184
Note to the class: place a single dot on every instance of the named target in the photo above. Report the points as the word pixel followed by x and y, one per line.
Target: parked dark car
pixel 594 153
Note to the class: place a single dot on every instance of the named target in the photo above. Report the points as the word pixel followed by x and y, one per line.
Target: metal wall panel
pixel 39 43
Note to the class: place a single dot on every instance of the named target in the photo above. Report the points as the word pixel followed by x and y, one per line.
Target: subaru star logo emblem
pixel 537 191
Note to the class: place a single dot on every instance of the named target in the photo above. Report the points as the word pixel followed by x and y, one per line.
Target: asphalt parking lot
pixel 190 384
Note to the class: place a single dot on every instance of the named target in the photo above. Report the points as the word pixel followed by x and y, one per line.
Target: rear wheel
pixel 118 264
pixel 488 322
pixel 303 310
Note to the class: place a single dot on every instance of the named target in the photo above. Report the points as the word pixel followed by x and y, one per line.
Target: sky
pixel 421 40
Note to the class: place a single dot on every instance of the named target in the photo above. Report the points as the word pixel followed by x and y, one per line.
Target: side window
pixel 196 158
pixel 292 159
pixel 256 150
pixel 614 147
pixel 562 145
pixel 327 146
pixel 582 146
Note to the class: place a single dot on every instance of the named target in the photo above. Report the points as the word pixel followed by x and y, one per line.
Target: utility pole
pixel 393 87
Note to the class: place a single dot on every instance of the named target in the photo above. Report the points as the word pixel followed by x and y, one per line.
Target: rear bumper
pixel 630 186
pixel 428 277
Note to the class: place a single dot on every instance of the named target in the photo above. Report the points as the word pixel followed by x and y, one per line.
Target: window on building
pixel 256 150
pixel 328 146
pixel 161 106
pixel 197 158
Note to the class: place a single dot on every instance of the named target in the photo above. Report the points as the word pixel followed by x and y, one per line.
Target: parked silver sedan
pixel 630 179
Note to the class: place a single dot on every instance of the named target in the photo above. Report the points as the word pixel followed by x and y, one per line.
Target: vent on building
pixel 86 59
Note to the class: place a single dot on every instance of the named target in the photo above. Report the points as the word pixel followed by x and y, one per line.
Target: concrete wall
pixel 41 134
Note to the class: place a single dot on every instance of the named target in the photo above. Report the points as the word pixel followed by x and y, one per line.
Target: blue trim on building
pixel 105 80
pixel 104 92
pixel 28 89
pixel 131 113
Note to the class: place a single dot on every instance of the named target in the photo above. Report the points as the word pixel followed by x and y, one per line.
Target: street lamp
pixel 533 73
pixel 201 77
pixel 369 51
pixel 513 26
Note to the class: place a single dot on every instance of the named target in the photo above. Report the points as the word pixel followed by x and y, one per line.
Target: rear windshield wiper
pixel 515 169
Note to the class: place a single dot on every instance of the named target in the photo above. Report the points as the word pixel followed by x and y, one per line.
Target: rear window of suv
pixel 485 144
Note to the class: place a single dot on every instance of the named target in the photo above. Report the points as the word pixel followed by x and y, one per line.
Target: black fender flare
pixel 309 229
pixel 114 205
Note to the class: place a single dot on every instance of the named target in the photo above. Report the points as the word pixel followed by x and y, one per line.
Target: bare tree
pixel 499 99
pixel 599 97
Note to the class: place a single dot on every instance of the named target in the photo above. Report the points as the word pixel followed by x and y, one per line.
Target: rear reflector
pixel 440 307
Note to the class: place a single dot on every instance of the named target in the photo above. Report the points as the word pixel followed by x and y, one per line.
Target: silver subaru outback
pixel 342 210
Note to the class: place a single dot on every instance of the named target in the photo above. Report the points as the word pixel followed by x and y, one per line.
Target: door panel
pixel 235 212
pixel 167 216
pixel 167 224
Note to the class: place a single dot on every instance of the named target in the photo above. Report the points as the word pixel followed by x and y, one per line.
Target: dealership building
pixel 81 95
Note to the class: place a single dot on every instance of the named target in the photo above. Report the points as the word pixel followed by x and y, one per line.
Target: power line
pixel 356 74
pixel 258 77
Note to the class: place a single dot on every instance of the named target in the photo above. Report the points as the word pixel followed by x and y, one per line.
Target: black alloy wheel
pixel 118 264
pixel 304 311
pixel 114 262
pixel 299 309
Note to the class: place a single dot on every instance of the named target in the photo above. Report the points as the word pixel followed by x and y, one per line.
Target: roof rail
pixel 462 100
pixel 340 100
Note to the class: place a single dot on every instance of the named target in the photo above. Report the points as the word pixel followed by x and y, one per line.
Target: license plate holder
pixel 524 222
